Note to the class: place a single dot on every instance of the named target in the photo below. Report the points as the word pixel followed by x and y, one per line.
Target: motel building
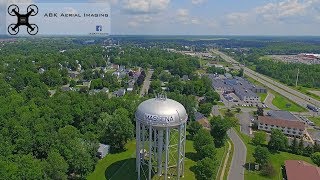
pixel 288 127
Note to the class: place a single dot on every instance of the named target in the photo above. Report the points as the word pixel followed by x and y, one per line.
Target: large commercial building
pixel 289 128
pixel 240 86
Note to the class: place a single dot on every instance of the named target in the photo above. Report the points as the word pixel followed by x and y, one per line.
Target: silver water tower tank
pixel 161 138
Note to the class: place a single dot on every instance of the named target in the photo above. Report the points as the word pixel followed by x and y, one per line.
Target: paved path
pixel 239 157
pixel 225 162
pixel 146 83
pixel 268 101
pixel 282 89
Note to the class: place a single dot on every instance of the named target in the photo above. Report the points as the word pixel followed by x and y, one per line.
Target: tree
pixel 259 138
pixel 118 129
pixel 308 151
pixel 316 147
pixel 56 166
pixel 207 151
pixel 73 83
pixel 261 154
pixel 194 128
pixel 204 169
pixel 294 146
pixel 238 110
pixel 211 96
pixel 268 170
pixel 205 109
pixel 219 128
pixel 315 157
pixel 260 111
pixel 301 146
pixel 278 141
pixel 201 139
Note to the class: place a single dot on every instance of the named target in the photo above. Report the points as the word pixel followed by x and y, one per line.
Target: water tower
pixel 161 138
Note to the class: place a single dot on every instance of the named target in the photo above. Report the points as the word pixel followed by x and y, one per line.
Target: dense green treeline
pixel 56 137
pixel 286 73
pixel 177 64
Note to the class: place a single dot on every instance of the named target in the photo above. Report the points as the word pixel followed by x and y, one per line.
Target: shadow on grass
pixel 126 169
pixel 193 156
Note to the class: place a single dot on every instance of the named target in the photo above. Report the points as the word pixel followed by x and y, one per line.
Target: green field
pixel 277 159
pixel 316 120
pixel 282 102
pixel 226 173
pixel 262 96
pixel 122 165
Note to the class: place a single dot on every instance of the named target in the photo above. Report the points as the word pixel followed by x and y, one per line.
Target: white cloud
pixel 285 11
pixel 145 6
pixel 237 18
pixel 197 2
pixel 183 16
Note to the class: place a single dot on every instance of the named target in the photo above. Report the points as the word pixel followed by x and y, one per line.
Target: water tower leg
pixel 179 154
pixel 167 154
pixel 160 149
pixel 138 158
pixel 150 151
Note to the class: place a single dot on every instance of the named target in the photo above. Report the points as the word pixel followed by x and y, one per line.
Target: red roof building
pixel 299 170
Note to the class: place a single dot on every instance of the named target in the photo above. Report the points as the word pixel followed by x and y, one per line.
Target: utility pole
pixel 297 78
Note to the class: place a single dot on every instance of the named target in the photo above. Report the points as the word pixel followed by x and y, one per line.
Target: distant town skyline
pixel 206 17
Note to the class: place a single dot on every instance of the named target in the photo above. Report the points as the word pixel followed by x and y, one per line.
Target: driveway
pixel 236 171
pixel 245 122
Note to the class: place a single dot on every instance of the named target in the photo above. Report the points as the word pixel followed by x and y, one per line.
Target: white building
pixel 289 128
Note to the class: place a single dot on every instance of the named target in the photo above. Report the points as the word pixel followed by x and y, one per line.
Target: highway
pixel 284 90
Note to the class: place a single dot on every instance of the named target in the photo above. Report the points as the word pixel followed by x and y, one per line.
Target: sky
pixel 208 17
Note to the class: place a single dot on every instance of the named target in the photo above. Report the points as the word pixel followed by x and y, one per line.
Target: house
pixel 115 66
pixel 185 78
pixel 66 88
pixel 103 150
pixel 119 93
pixel 41 71
pixel 298 170
pixel 96 91
pixel 201 119
pixel 289 128
pixel 73 74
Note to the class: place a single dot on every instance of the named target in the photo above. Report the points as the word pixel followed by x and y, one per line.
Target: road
pixel 146 83
pixel 239 157
pixel 284 90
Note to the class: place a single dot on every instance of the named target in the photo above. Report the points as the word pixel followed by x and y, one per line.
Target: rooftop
pixel 281 122
pixel 285 115
pixel 297 170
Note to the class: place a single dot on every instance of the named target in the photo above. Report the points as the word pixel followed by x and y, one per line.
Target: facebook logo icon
pixel 98 28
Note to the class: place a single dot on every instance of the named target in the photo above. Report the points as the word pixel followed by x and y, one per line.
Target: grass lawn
pixel 108 166
pixel 281 103
pixel 316 120
pixel 122 165
pixel 276 159
pixel 226 173
pixel 262 96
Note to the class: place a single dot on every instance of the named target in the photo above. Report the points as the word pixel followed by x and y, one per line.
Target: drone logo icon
pixel 23 19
